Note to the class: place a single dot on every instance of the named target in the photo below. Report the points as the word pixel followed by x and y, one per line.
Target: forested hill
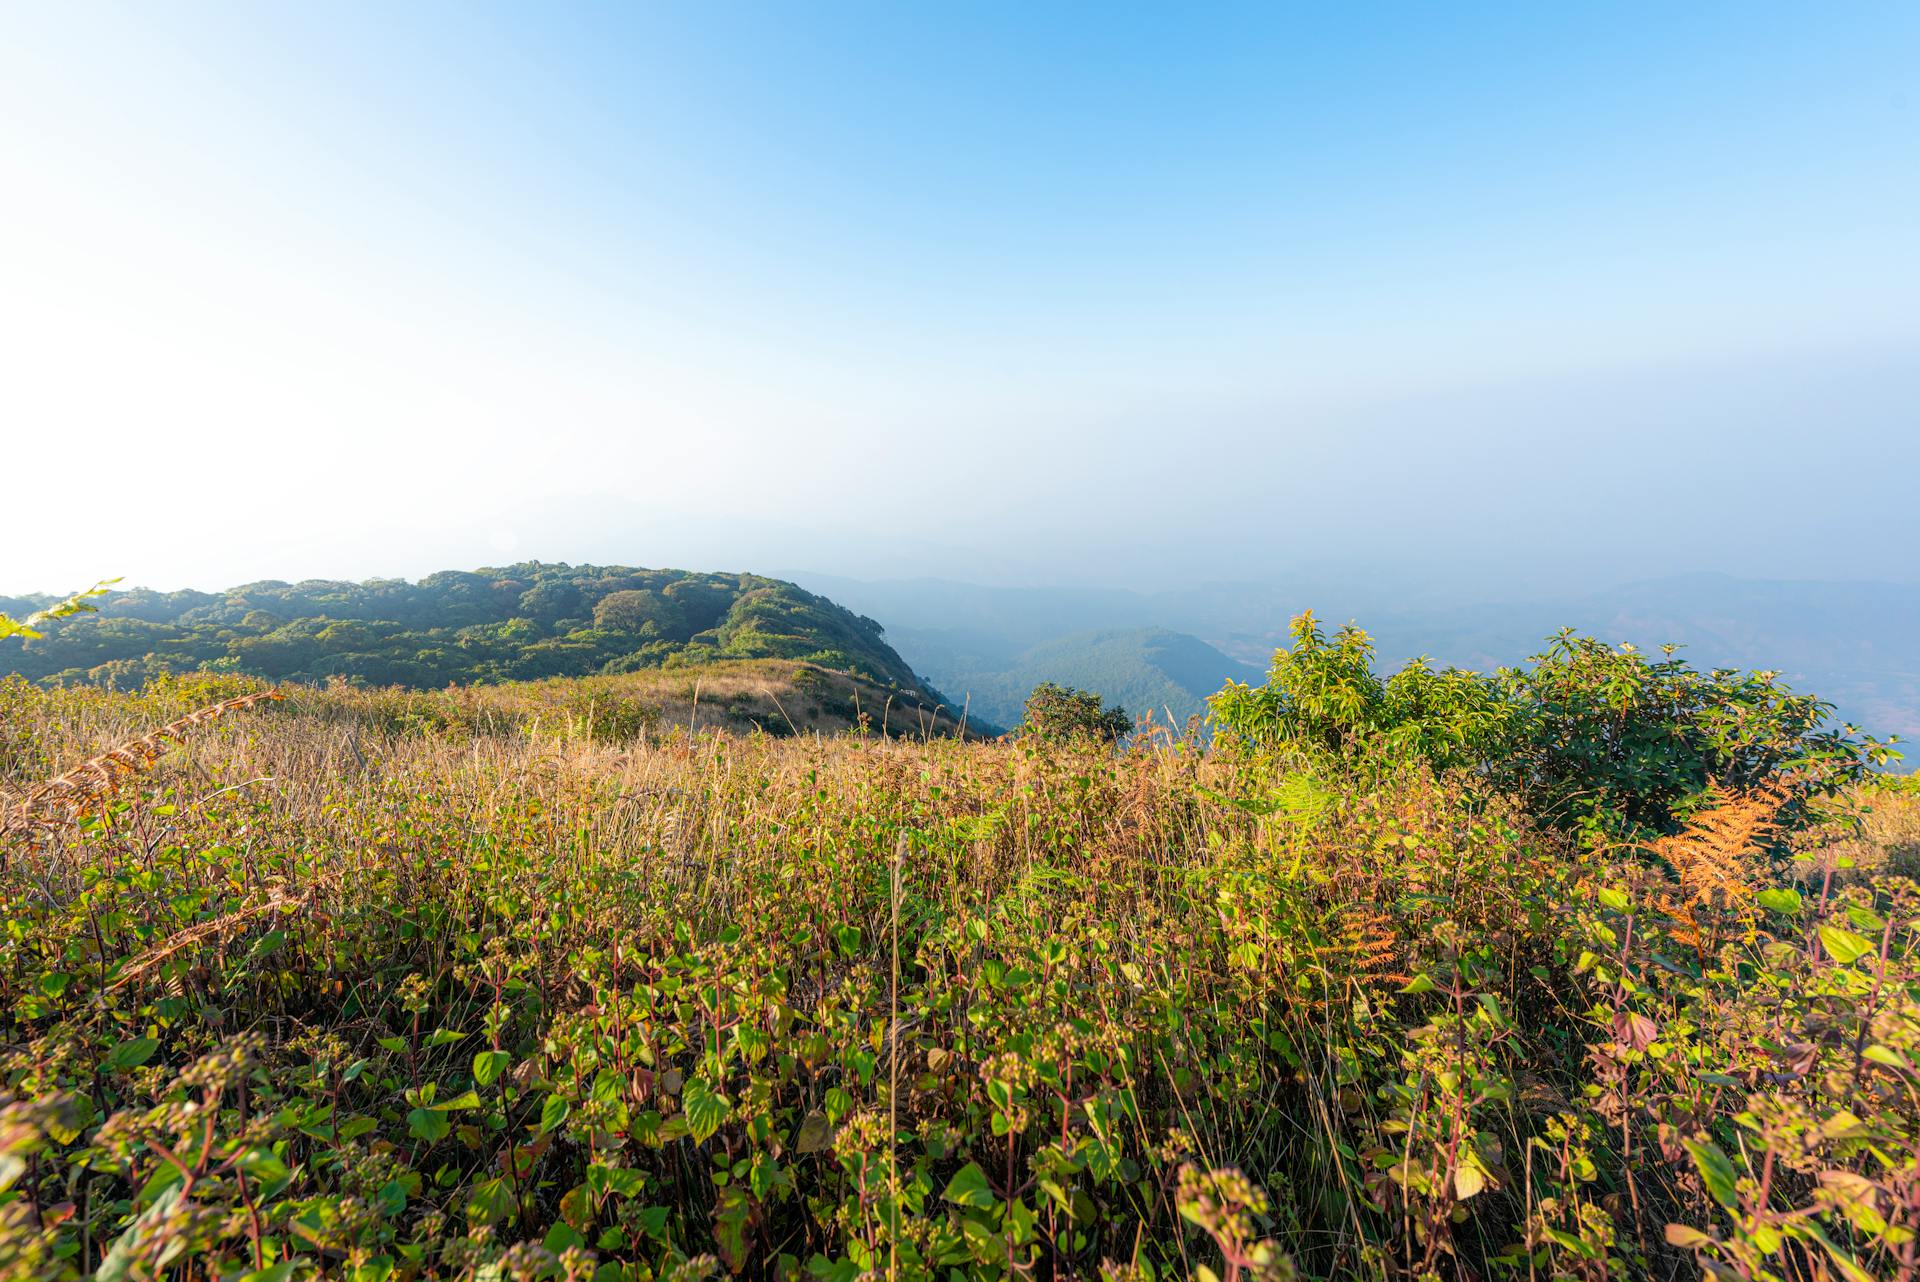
pixel 494 624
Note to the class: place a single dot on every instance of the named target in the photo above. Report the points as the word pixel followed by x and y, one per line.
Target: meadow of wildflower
pixel 305 988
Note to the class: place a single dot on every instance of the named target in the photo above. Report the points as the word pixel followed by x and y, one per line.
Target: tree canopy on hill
pixel 515 622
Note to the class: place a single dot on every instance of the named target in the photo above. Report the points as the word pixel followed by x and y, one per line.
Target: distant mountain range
pixel 1855 644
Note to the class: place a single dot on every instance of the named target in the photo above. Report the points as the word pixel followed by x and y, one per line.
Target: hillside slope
pixel 780 696
pixel 517 622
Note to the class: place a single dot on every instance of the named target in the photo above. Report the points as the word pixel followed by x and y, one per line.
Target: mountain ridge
pixel 525 621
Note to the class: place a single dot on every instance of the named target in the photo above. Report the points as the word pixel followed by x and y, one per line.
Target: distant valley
pixel 1855 644
pixel 1145 670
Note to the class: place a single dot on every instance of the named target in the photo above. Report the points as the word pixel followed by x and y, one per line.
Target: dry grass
pixel 1885 839
pixel 82 788
pixel 781 697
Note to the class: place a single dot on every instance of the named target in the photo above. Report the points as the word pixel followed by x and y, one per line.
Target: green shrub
pixel 1595 738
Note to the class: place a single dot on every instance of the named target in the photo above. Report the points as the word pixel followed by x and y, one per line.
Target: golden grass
pixel 785 698
pixel 1885 838
pixel 76 791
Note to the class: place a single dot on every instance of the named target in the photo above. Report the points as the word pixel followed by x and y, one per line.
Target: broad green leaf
pixel 490 1200
pixel 488 1065
pixel 1865 918
pixel 562 1236
pixel 625 1181
pixel 378 1269
pixel 280 1272
pixel 816 1133
pixel 969 1187
pixel 1843 945
pixel 130 1054
pixel 1716 1169
pixel 429 1124
pixel 705 1110
pixel 264 1166
pixel 1468 1179
pixel 1887 1055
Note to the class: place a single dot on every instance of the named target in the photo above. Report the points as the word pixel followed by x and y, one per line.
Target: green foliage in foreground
pixel 1601 740
pixel 28 629
pixel 517 622
pixel 311 998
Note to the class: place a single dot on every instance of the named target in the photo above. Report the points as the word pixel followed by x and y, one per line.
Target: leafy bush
pixel 1061 712
pixel 1595 738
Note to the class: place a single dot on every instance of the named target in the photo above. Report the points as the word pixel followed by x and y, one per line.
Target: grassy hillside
pixel 362 984
pixel 514 622
pixel 777 696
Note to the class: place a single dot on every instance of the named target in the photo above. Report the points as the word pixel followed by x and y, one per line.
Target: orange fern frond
pixel 1717 858
pixel 1366 941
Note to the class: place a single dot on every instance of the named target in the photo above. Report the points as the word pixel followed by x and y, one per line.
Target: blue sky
pixel 1116 293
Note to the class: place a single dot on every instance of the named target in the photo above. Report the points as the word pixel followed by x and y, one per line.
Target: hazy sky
pixel 1017 292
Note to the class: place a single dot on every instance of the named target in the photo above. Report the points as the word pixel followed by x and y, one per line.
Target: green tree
pixel 495 624
pixel 633 609
pixel 1061 712
pixel 1320 691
